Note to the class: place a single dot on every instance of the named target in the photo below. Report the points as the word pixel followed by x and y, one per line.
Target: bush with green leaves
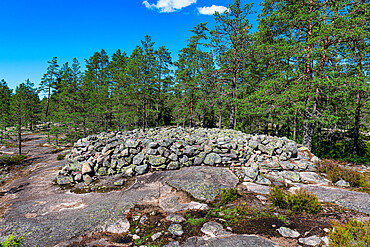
pixel 354 233
pixel 297 203
pixel 12 241
pixel 336 172
pixel 228 195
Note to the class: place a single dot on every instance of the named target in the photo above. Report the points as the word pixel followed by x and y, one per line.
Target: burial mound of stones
pixel 253 158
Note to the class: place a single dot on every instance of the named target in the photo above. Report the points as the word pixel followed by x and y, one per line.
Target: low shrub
pixel 228 195
pixel 194 221
pixel 8 160
pixel 297 203
pixel 61 157
pixel 354 233
pixel 336 172
pixel 12 241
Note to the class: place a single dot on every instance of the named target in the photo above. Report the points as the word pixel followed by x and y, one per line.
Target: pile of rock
pixel 137 152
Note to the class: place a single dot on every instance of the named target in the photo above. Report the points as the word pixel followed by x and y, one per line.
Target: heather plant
pixel 228 195
pixel 297 203
pixel 336 172
pixel 354 234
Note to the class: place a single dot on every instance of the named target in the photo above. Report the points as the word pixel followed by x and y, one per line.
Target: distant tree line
pixel 303 74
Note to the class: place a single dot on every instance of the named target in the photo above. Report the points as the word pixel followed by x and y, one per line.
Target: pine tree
pixel 5 111
pixel 163 61
pixel 117 70
pixel 301 40
pixel 48 83
pixel 24 106
pixel 189 69
pixel 230 38
pixel 98 84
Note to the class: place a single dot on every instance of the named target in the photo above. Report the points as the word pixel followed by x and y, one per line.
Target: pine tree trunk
pixel 232 110
pixel 356 147
pixel 19 136
pixel 309 123
pixel 84 127
pixel 295 126
pixel 159 94
pixel 191 113
pixel 220 120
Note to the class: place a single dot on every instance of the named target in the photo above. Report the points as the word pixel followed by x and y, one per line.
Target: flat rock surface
pixel 227 241
pixel 257 188
pixel 349 199
pixel 203 183
pixel 50 215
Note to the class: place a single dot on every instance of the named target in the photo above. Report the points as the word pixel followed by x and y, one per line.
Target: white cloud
pixel 167 6
pixel 211 10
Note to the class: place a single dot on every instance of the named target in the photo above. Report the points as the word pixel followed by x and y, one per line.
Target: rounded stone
pixel 212 159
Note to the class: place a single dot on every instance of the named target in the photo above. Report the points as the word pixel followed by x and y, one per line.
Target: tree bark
pixel 220 120
pixel 19 136
pixel 356 146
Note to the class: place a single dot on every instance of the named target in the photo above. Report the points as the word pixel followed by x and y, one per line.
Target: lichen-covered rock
pixel 138 159
pixel 87 178
pixel 213 229
pixel 212 159
pixel 263 180
pixel 156 160
pixel 141 169
pixel 176 218
pixel 64 180
pixel 251 172
pixel 176 229
pixel 292 176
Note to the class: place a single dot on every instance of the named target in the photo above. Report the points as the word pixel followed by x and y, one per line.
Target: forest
pixel 303 74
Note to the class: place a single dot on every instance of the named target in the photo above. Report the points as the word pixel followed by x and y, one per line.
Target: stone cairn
pixel 129 153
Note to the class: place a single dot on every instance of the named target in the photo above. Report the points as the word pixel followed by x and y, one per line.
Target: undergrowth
pixel 8 160
pixel 61 157
pixel 228 195
pixel 193 221
pixel 12 241
pixel 354 233
pixel 297 203
pixel 335 173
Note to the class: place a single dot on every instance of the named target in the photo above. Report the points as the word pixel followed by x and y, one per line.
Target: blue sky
pixel 32 32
